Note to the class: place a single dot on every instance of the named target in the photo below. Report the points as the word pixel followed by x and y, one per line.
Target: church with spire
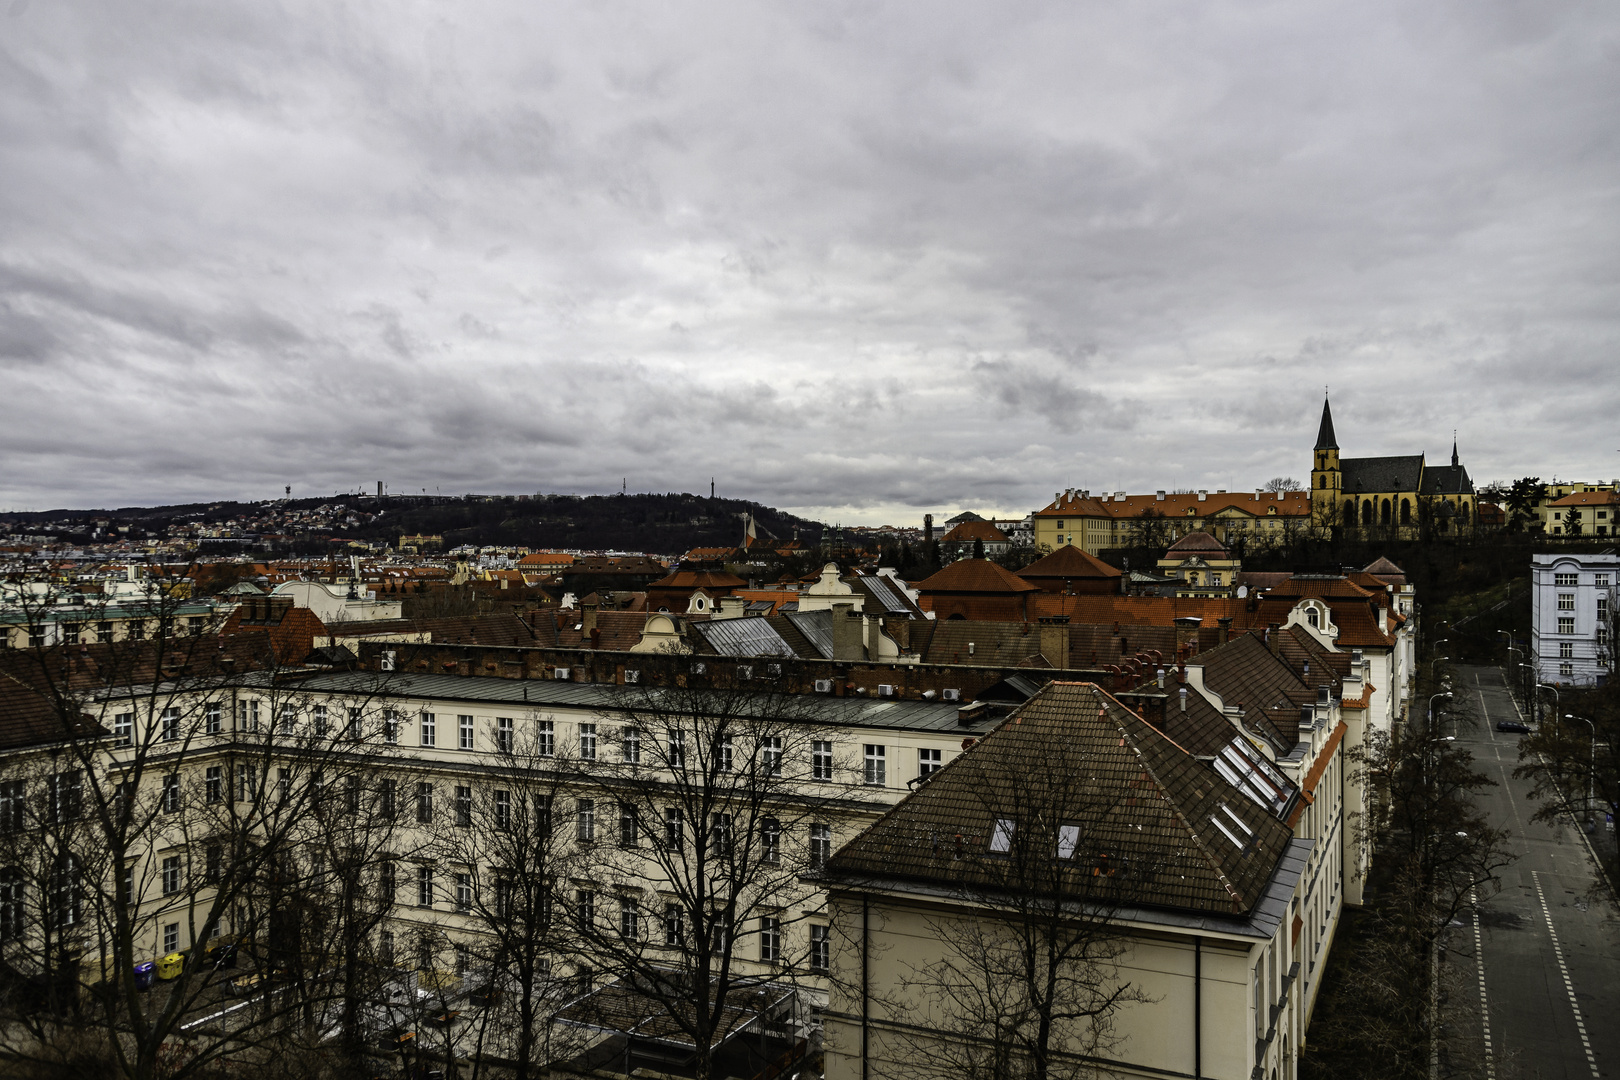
pixel 1397 494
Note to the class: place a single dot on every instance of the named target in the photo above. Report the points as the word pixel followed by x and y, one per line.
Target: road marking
pixel 1479 688
pixel 1569 985
pixel 1484 1005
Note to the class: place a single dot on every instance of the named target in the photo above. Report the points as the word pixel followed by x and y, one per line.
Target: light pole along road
pixel 1549 941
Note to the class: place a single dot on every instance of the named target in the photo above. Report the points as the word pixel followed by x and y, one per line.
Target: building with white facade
pixel 1572 617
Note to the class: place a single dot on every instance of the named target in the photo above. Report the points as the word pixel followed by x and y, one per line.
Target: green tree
pixel 1523 498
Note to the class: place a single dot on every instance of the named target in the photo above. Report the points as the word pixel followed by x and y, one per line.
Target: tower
pixel 1326 477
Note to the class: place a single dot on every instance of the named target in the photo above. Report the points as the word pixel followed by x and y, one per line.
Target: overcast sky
pixel 859 260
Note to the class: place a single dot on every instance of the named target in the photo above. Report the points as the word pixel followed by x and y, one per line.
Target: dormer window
pixel 1314 617
pixel 1001 836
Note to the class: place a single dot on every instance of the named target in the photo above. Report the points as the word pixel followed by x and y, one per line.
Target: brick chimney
pixel 1055 640
pixel 587 619
pixel 846 633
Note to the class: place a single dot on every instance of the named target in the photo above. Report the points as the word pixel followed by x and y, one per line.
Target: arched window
pixel 1465 511
pixel 1406 511
pixel 1366 512
pixel 1349 512
pixel 1383 515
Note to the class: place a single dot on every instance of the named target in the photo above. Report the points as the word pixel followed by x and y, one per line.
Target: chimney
pixel 587 619
pixel 846 633
pixel 1055 640
pixel 1158 496
pixel 874 638
pixel 1183 696
pixel 596 637
pixel 928 528
pixel 1225 623
pixel 1274 639
pixel 1203 494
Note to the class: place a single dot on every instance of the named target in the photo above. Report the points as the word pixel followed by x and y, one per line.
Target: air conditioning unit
pixel 563 674
pixel 699 667
pixel 951 693
pixel 823 686
pixel 885 690
pixel 631 677
pixel 386 661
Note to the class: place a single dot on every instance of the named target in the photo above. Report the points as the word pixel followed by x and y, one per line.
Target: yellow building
pixel 1115 519
pixel 1401 493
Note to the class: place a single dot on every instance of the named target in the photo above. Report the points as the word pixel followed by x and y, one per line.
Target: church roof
pixel 1447 480
pixel 1375 474
pixel 1324 434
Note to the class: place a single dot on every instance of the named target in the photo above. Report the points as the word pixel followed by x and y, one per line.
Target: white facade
pixel 1572 605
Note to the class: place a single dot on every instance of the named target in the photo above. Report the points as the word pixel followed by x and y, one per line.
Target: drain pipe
pixel 1198 1007
pixel 866 914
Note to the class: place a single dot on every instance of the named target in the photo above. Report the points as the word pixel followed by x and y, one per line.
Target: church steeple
pixel 1324 434
pixel 1453 449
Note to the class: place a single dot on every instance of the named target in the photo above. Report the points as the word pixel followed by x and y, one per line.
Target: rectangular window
pixel 587 742
pixel 546 738
pixel 677 749
pixel 629 826
pixel 424 804
pixel 464 725
pixel 720 833
pixel 928 762
pixel 724 758
pixel 213 721
pixel 463 805
pixel 770 755
pixel 247 783
pixel 1002 835
pixel 289 717
pixel 214 785
pixel 318 714
pixel 389 799
pixel 463 961
pixel 124 729
pixel 13 810
pixel 585 907
pixel 1566 626
pixel 820 845
pixel 424 953
pixel 1566 650
pixel 629 919
pixel 1566 669
pixel 104 631
pixel 388 880
pixel 424 886
pixel 214 864
pixel 283 783
pixel 170 724
pixel 820 948
pixel 1602 581
pixel 137 630
pixel 357 718
pixel 247 715
pixel 67 796
pixel 430 729
pixel 503 734
pixel 1565 579
pixel 464 892
pixel 385 946
pixel 674 925
pixel 876 769
pixel 1566 601
pixel 585 820
pixel 71 633
pixel 672 828
pixel 770 939
pixel 821 761
pixel 171 937
pixel 171 875
pixel 503 809
pixel 632 744
pixel 390 727
pixel 171 794
pixel 770 840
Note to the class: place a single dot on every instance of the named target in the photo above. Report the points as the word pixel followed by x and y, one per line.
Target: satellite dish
pixel 1243 591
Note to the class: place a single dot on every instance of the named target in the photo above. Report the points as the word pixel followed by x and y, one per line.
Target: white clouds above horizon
pixel 858 259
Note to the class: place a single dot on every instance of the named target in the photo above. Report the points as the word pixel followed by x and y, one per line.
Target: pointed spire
pixel 1453 449
pixel 1324 435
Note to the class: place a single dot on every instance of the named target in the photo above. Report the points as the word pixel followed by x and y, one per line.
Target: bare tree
pixel 701 801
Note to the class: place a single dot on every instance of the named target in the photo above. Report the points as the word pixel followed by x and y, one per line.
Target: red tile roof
pixel 975 576
pixel 1069 561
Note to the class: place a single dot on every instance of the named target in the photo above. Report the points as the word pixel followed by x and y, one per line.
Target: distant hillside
pixel 668 524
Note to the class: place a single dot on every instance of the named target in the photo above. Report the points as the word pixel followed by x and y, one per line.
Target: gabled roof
pixel 1588 498
pixel 969 531
pixel 1446 480
pixel 1382 567
pixel 975 576
pixel 1139 805
pixel 1069 561
pixel 1197 540
pixel 1378 474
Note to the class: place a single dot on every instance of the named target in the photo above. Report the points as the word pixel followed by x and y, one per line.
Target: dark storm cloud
pixel 859 259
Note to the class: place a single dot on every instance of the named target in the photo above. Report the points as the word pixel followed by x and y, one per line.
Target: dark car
pixel 1513 726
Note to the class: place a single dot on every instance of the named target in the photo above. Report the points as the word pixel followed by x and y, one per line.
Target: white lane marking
pixel 1569 985
pixel 1484 709
pixel 1484 1005
pixel 1507 790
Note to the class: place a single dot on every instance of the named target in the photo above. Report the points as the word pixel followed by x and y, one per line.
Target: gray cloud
pixel 847 258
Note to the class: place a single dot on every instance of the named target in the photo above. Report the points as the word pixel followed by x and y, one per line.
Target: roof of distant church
pixel 1324 434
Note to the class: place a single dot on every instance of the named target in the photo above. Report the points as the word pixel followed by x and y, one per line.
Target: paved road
pixel 1550 939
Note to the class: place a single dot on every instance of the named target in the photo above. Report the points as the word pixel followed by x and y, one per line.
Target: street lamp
pixel 1433 662
pixel 1591 766
pixel 1443 694
pixel 1557 701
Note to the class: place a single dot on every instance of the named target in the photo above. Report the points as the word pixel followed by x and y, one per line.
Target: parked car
pixel 1512 726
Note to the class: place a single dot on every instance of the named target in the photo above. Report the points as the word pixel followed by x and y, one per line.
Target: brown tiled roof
pixel 1243 672
pixel 1588 498
pixel 1197 540
pixel 713 582
pixel 977 576
pixel 1069 561
pixel 969 531
pixel 1291 504
pixel 1003 643
pixel 1072 755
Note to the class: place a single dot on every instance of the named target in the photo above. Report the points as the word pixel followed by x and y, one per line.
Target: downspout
pixel 1198 1008
pixel 866 912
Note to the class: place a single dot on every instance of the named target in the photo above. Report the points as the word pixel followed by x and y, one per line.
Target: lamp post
pixel 1433 662
pixel 1591 765
pixel 1557 701
pixel 1443 694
